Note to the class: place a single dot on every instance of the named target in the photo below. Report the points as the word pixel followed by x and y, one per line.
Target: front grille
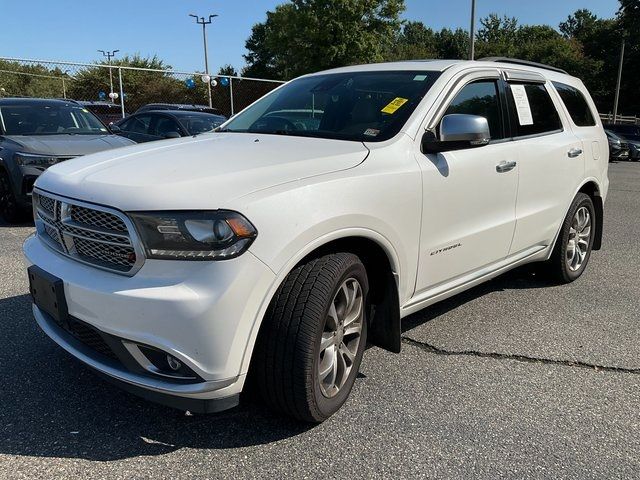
pixel 97 218
pixel 93 235
pixel 90 337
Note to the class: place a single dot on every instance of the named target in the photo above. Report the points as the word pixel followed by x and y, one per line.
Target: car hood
pixel 68 145
pixel 205 172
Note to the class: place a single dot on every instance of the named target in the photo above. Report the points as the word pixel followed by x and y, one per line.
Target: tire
pixel 566 263
pixel 10 211
pixel 288 356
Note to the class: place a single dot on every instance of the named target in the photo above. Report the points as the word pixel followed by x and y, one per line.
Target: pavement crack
pixel 518 358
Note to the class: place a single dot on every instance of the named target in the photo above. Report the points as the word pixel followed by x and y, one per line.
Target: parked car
pixel 179 106
pixel 158 125
pixel 630 132
pixel 274 250
pixel 107 112
pixel 36 133
pixel 618 147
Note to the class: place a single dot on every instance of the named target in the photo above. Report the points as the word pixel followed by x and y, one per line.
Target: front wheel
pixel 313 338
pixel 575 241
pixel 10 211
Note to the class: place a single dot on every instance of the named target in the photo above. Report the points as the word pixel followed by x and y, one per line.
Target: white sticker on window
pixel 522 105
pixel 420 78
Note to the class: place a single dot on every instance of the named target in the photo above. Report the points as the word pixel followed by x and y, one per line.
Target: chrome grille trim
pixel 91 234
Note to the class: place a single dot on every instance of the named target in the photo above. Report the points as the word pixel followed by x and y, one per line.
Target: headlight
pixel 31 160
pixel 215 235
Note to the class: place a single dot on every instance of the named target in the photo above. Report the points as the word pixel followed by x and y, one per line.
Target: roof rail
pixel 517 61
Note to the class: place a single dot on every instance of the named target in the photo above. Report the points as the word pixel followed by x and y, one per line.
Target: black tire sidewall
pixel 580 201
pixel 325 407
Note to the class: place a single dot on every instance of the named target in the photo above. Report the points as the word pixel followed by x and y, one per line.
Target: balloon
pixel 190 83
pixel 224 81
pixel 102 95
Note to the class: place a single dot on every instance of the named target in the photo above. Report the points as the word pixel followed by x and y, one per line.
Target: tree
pixel 303 36
pixel 228 70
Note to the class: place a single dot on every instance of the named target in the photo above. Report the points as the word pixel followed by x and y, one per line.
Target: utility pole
pixel 109 56
pixel 204 23
pixel 64 86
pixel 615 104
pixel 472 31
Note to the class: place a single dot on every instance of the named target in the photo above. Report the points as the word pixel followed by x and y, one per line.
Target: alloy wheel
pixel 341 337
pixel 579 239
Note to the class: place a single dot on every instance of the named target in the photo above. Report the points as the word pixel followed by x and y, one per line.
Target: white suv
pixel 317 218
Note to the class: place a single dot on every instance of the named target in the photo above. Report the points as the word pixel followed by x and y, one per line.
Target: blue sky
pixel 75 29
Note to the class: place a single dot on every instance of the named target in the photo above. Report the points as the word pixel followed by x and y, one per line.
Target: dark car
pixel 618 147
pixel 157 125
pixel 37 133
pixel 627 131
pixel 107 112
pixel 179 106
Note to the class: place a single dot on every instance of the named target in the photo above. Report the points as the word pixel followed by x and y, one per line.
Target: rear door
pixel 551 160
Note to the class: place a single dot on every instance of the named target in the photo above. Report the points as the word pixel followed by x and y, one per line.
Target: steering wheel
pixel 273 123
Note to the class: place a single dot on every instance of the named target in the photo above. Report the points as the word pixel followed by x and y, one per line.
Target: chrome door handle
pixel 574 152
pixel 505 166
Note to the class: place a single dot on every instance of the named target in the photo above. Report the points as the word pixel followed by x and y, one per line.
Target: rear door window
pixel 137 124
pixel 576 104
pixel 532 110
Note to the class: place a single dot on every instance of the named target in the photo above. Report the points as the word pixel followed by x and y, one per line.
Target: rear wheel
pixel 573 247
pixel 10 211
pixel 313 338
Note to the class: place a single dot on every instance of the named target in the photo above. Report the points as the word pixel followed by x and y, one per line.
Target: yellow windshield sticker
pixel 394 105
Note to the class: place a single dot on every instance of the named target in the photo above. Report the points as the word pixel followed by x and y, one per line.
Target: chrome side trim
pixel 469 280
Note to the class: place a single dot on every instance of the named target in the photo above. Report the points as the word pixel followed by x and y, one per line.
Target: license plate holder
pixel 47 292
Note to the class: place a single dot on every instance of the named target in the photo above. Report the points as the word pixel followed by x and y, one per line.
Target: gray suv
pixel 37 133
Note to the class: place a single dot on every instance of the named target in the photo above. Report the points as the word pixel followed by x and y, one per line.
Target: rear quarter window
pixel 544 116
pixel 576 104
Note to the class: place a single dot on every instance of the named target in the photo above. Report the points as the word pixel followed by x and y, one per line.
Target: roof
pixel 548 72
pixel 36 101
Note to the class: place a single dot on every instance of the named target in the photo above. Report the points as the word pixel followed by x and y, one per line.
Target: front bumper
pixel 202 313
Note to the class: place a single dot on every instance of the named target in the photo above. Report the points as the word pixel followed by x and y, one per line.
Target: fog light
pixel 174 363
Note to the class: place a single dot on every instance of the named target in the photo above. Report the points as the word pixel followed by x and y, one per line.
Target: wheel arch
pixel 383 283
pixel 592 189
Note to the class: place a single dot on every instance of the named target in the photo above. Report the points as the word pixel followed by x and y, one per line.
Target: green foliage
pixel 302 36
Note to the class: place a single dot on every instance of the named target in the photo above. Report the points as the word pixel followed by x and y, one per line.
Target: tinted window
pixel 543 112
pixel 359 106
pixel 576 105
pixel 480 98
pixel 137 124
pixel 165 125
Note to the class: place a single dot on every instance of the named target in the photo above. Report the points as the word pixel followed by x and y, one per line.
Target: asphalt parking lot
pixel 514 379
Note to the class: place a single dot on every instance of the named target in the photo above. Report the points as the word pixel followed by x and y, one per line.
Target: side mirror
pixel 172 135
pixel 457 132
pixel 115 129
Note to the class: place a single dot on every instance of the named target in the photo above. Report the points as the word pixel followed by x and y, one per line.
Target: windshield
pixel 360 106
pixel 49 119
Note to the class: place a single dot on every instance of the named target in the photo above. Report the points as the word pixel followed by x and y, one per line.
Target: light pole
pixel 204 23
pixel 64 86
pixel 109 56
pixel 472 31
pixel 615 104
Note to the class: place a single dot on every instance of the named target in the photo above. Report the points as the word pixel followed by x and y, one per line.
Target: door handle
pixel 574 152
pixel 505 166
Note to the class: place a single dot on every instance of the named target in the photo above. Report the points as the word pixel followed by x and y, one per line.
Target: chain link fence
pixel 128 88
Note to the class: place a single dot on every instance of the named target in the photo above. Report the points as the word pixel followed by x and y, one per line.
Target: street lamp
pixel 204 23
pixel 109 56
